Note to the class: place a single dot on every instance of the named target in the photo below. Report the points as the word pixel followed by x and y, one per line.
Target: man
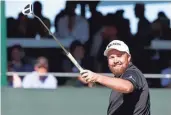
pixel 38 78
pixel 130 92
pixel 143 24
pixel 166 82
pixel 38 29
pixel 70 25
pixel 77 49
pixel 19 62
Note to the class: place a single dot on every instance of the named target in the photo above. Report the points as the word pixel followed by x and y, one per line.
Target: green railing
pixel 3 44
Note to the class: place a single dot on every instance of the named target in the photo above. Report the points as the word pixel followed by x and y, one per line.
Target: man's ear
pixel 129 57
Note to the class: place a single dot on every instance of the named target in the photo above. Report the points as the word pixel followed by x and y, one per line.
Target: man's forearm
pixel 116 84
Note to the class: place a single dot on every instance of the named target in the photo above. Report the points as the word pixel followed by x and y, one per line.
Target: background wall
pixel 71 101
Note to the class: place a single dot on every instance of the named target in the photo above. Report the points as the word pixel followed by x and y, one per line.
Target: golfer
pixel 130 92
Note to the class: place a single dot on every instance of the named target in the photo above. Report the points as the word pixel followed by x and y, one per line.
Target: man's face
pixel 16 54
pixel 118 61
pixel 41 70
pixel 79 52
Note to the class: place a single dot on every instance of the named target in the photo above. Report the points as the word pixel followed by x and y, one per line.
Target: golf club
pixel 28 10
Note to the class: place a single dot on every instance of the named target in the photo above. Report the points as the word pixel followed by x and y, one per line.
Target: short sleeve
pixel 134 78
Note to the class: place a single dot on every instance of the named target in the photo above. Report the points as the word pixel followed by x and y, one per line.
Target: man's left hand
pixel 89 76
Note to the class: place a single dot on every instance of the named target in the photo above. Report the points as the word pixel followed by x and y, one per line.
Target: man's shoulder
pixel 52 77
pixel 31 75
pixel 134 68
pixel 134 75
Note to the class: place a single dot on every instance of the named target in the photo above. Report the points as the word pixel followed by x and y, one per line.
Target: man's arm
pixel 118 84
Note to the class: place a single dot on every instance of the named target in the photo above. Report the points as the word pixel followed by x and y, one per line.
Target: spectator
pixel 39 29
pixel 78 51
pixel 72 25
pixel 57 18
pixel 39 77
pixel 165 21
pixel 143 25
pixel 123 27
pixel 106 34
pixel 11 27
pixel 161 27
pixel 142 39
pixel 17 81
pixel 95 23
pixel 156 30
pixel 19 61
pixel 166 82
pixel 9 78
pixel 22 26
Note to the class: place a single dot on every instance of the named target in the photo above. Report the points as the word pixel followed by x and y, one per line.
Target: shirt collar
pixel 129 65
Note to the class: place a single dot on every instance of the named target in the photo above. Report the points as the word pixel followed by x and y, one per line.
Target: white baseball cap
pixel 118 45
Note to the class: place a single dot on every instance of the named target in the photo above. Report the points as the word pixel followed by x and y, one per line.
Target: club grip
pixel 75 62
pixel 78 66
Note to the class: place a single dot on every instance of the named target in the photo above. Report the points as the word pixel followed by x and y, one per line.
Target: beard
pixel 118 69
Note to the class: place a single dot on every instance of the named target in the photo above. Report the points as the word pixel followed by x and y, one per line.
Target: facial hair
pixel 117 69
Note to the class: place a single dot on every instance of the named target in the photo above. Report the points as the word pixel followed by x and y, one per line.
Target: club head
pixel 28 10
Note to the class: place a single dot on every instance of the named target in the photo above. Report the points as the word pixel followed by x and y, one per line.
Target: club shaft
pixel 51 34
pixel 66 52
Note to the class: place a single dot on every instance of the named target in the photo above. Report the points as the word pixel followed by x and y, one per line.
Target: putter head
pixel 28 10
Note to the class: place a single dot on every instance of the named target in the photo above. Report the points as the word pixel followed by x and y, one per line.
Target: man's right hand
pixel 85 82
pixel 17 82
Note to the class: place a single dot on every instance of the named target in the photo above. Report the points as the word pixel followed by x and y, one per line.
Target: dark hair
pixel 17 46
pixel 74 44
pixel 109 20
pixel 37 7
pixel 161 14
pixel 37 4
pixel 140 6
pixel 21 50
pixel 93 3
pixel 71 4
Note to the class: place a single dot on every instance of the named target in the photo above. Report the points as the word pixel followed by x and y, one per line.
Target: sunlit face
pixel 41 70
pixel 118 61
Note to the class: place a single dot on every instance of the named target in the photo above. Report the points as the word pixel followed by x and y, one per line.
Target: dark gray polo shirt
pixel 134 103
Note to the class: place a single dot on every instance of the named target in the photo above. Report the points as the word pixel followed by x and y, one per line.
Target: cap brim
pixel 106 51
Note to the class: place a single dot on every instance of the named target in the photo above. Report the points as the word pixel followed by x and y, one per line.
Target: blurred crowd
pixel 91 38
